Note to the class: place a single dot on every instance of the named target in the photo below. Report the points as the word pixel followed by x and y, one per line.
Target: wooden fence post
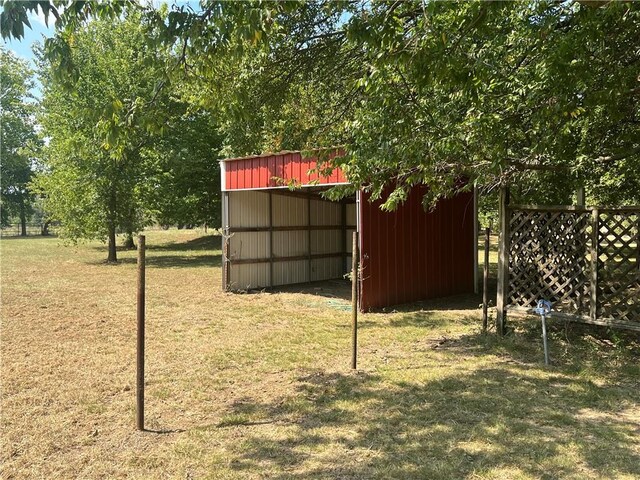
pixel 595 254
pixel 476 280
pixel 638 240
pixel 503 262
pixel 485 280
pixel 354 302
pixel 580 197
pixel 140 337
pixel 343 237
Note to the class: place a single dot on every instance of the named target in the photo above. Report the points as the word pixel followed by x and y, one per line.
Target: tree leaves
pixel 419 92
pixel 18 134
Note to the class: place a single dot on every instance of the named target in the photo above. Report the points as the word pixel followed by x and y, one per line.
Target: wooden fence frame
pixel 601 253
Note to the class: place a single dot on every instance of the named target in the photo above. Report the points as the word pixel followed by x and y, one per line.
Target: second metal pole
pixel 140 339
pixel 354 302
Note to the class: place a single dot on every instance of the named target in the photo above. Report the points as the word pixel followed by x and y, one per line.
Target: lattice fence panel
pixel 619 266
pixel 548 258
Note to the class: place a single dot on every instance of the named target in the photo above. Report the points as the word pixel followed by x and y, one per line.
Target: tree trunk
pixel 112 258
pixel 111 226
pixel 44 230
pixel 129 244
pixel 23 218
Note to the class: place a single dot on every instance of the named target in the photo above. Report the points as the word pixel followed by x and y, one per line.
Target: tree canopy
pixel 183 183
pixel 18 137
pixel 94 164
pixel 124 150
pixel 543 95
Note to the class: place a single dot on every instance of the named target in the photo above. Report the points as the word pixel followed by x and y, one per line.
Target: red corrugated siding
pixel 276 170
pixel 410 255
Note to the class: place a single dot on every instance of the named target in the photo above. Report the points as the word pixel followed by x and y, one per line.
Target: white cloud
pixel 39 18
pixel 19 55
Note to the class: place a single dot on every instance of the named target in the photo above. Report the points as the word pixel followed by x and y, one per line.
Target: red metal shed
pixel 274 235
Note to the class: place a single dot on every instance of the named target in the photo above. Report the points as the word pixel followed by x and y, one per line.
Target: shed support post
pixel 503 262
pixel 226 266
pixel 270 239
pixel 309 261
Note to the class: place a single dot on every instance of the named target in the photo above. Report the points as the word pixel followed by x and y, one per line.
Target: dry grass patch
pixel 258 385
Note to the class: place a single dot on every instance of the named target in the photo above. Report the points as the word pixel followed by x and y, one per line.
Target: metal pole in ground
pixel 544 339
pixel 354 302
pixel 140 337
pixel 543 308
pixel 485 280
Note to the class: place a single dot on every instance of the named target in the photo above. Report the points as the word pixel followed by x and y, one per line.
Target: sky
pixel 22 48
pixel 38 31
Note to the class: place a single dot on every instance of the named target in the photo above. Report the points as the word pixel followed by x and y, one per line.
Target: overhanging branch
pixel 618 156
pixel 523 165
pixel 518 165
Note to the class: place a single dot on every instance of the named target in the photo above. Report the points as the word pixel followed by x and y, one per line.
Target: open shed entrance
pixel 275 236
pixel 281 237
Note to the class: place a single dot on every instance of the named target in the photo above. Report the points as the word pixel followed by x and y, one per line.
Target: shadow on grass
pixel 31 236
pixel 163 432
pixel 338 289
pixel 208 242
pixel 176 261
pixel 432 319
pixel 509 420
pixel 453 302
pixel 159 255
pixel 578 347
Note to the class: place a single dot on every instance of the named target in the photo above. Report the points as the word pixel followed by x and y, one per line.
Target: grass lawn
pixel 259 385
